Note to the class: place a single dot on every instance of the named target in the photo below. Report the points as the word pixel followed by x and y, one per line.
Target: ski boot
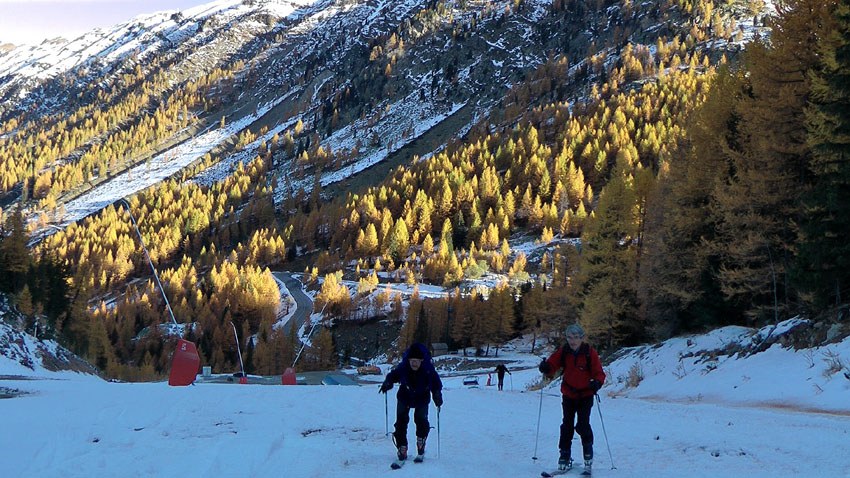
pixel 565 463
pixel 420 450
pixel 587 467
pixel 587 450
pixel 402 456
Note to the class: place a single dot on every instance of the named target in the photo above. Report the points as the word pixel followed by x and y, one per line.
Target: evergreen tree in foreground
pixel 15 258
pixel 824 251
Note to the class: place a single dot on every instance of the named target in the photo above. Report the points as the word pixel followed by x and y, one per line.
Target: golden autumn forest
pixel 673 187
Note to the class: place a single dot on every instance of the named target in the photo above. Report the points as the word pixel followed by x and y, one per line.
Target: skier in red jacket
pixel 582 378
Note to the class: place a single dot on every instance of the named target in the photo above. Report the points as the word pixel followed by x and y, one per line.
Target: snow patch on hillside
pixel 157 169
pixel 400 124
pixel 21 354
pixel 727 366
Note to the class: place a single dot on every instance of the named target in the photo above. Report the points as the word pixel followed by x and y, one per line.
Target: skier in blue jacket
pixel 418 383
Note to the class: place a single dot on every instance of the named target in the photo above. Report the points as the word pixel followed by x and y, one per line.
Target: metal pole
pixel 155 276
pixel 386 416
pixel 599 410
pixel 304 344
pixel 438 433
pixel 539 412
pixel 241 367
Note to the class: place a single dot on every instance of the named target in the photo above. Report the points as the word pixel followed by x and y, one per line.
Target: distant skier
pixel 582 378
pixel 418 383
pixel 500 371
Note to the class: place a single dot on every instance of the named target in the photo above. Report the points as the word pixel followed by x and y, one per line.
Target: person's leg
pixel 568 406
pixel 420 418
pixel 583 426
pixel 402 418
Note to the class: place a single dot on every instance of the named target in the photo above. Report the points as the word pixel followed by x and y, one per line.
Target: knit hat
pixel 575 329
pixel 415 352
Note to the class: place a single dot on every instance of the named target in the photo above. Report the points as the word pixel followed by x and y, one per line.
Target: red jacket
pixel 577 371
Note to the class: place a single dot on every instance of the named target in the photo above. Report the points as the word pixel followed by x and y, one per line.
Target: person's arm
pixel 436 389
pixel 596 371
pixel 597 375
pixel 395 374
pixel 393 377
pixel 551 366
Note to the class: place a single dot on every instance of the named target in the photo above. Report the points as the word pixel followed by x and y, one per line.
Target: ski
pixel 397 464
pixel 547 474
pixel 419 459
pixel 584 472
pixel 559 472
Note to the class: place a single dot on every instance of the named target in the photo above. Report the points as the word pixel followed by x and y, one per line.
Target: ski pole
pixel 512 382
pixel 539 411
pixel 438 433
pixel 599 409
pixel 386 417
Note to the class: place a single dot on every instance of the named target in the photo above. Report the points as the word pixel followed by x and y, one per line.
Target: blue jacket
pixel 416 387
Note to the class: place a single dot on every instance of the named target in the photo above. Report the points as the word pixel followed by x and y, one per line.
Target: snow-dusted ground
pixel 71 425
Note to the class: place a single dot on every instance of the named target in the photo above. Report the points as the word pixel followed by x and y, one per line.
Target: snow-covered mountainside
pixel 76 426
pixel 215 29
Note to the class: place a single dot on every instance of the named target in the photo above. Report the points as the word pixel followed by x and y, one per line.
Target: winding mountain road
pixel 303 302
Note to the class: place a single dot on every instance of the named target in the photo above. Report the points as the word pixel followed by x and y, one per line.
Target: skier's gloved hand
pixel 544 367
pixel 385 387
pixel 438 399
pixel 595 385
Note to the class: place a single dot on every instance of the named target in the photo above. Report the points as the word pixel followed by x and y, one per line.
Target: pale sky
pixel 31 21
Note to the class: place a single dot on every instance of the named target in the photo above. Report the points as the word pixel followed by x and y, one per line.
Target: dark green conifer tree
pixel 824 251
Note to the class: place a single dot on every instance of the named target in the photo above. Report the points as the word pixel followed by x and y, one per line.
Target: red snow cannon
pixel 184 364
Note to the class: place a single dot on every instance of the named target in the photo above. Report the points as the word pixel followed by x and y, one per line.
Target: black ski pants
pixel 577 410
pixel 402 418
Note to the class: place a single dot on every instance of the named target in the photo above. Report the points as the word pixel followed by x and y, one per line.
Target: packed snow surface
pixel 68 425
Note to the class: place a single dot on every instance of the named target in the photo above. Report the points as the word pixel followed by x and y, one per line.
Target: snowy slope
pixel 719 368
pixel 143 36
pixel 22 354
pixel 79 426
